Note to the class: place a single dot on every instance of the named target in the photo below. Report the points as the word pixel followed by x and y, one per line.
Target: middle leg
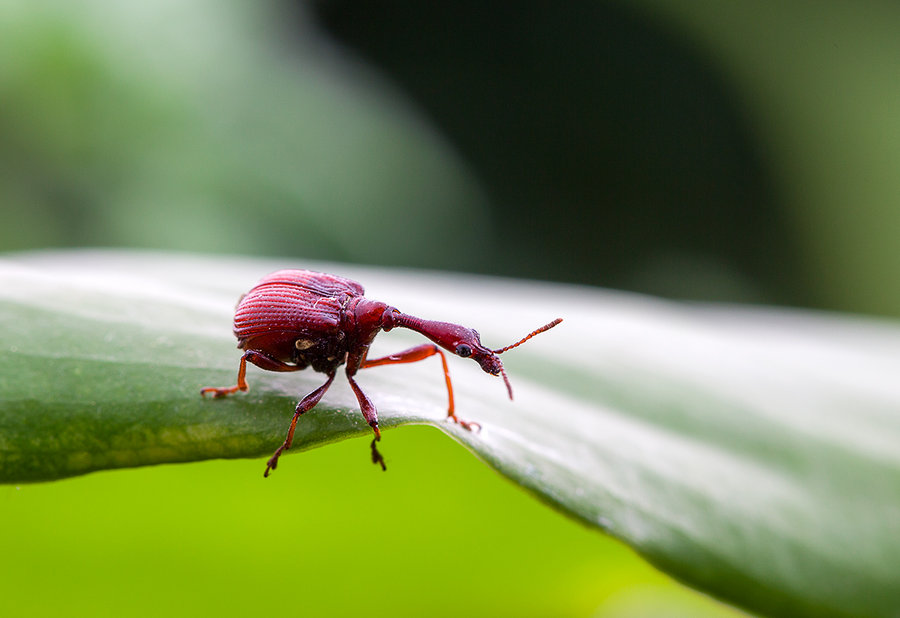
pixel 305 405
pixel 371 415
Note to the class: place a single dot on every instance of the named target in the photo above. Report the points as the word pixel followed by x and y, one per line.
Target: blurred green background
pixel 743 153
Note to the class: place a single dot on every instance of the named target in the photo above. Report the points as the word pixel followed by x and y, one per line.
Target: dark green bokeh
pixel 602 140
pixel 740 152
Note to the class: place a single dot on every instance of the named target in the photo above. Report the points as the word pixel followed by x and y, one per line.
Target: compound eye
pixel 463 350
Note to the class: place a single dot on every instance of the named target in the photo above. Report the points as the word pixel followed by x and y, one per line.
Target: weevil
pixel 294 319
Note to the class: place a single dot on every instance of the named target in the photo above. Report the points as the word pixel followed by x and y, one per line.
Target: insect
pixel 293 319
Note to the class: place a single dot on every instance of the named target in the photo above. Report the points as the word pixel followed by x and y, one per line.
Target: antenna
pixel 520 342
pixel 527 337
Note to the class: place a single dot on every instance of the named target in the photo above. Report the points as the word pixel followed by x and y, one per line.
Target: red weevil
pixel 295 319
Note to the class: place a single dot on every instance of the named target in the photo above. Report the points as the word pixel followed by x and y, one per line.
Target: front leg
pixel 261 360
pixel 421 352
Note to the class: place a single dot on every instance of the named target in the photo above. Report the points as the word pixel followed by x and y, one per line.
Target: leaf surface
pixel 750 453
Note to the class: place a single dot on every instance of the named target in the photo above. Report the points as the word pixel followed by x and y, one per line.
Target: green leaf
pixel 752 454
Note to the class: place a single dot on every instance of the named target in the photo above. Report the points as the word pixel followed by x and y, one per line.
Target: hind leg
pixel 261 360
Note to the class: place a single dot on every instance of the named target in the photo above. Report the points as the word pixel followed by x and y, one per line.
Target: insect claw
pixel 467 425
pixel 376 456
pixel 273 460
pixel 218 393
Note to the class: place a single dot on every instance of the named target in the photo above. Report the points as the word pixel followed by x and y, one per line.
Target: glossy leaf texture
pixel 750 453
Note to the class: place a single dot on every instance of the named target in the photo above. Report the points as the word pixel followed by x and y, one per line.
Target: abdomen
pixel 288 306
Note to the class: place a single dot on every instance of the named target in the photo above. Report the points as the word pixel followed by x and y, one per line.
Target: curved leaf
pixel 752 454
